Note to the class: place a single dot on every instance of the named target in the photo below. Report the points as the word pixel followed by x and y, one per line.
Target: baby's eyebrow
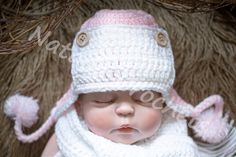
pixel 104 94
pixel 139 93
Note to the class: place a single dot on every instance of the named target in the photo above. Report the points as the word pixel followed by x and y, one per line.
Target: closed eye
pixel 138 99
pixel 104 101
pixel 140 102
pixel 145 98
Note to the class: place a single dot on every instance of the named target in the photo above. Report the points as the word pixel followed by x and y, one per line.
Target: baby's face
pixel 120 116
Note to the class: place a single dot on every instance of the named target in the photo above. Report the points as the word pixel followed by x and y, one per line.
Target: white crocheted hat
pixel 117 52
pixel 120 50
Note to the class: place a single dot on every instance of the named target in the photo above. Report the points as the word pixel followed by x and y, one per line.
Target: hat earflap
pixel 208 122
pixel 23 110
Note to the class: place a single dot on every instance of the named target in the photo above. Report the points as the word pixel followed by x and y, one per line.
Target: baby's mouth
pixel 126 129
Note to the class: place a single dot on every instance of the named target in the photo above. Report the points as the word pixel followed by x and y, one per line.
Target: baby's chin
pixel 126 140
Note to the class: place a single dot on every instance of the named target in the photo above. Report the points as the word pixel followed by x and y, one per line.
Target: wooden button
pixel 82 39
pixel 161 39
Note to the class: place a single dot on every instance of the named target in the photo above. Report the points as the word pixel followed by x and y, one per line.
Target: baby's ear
pixel 78 107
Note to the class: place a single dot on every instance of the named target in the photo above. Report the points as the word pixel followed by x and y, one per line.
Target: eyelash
pixel 104 102
pixel 138 100
pixel 142 103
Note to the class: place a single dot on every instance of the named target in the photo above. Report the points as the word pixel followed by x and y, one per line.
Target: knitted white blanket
pixel 75 140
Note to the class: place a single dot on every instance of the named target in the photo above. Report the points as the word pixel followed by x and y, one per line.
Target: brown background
pixel 202 33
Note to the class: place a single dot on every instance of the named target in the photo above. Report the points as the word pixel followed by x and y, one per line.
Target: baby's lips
pixel 126 129
pixel 125 126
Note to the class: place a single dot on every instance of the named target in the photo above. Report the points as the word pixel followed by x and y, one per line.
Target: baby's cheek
pixel 151 120
pixel 98 122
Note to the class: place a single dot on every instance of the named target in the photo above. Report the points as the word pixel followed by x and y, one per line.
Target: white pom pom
pixel 22 108
pixel 211 128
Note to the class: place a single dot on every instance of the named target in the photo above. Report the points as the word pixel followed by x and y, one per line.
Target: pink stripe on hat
pixel 125 17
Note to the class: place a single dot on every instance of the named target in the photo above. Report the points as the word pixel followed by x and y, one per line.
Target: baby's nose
pixel 125 109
